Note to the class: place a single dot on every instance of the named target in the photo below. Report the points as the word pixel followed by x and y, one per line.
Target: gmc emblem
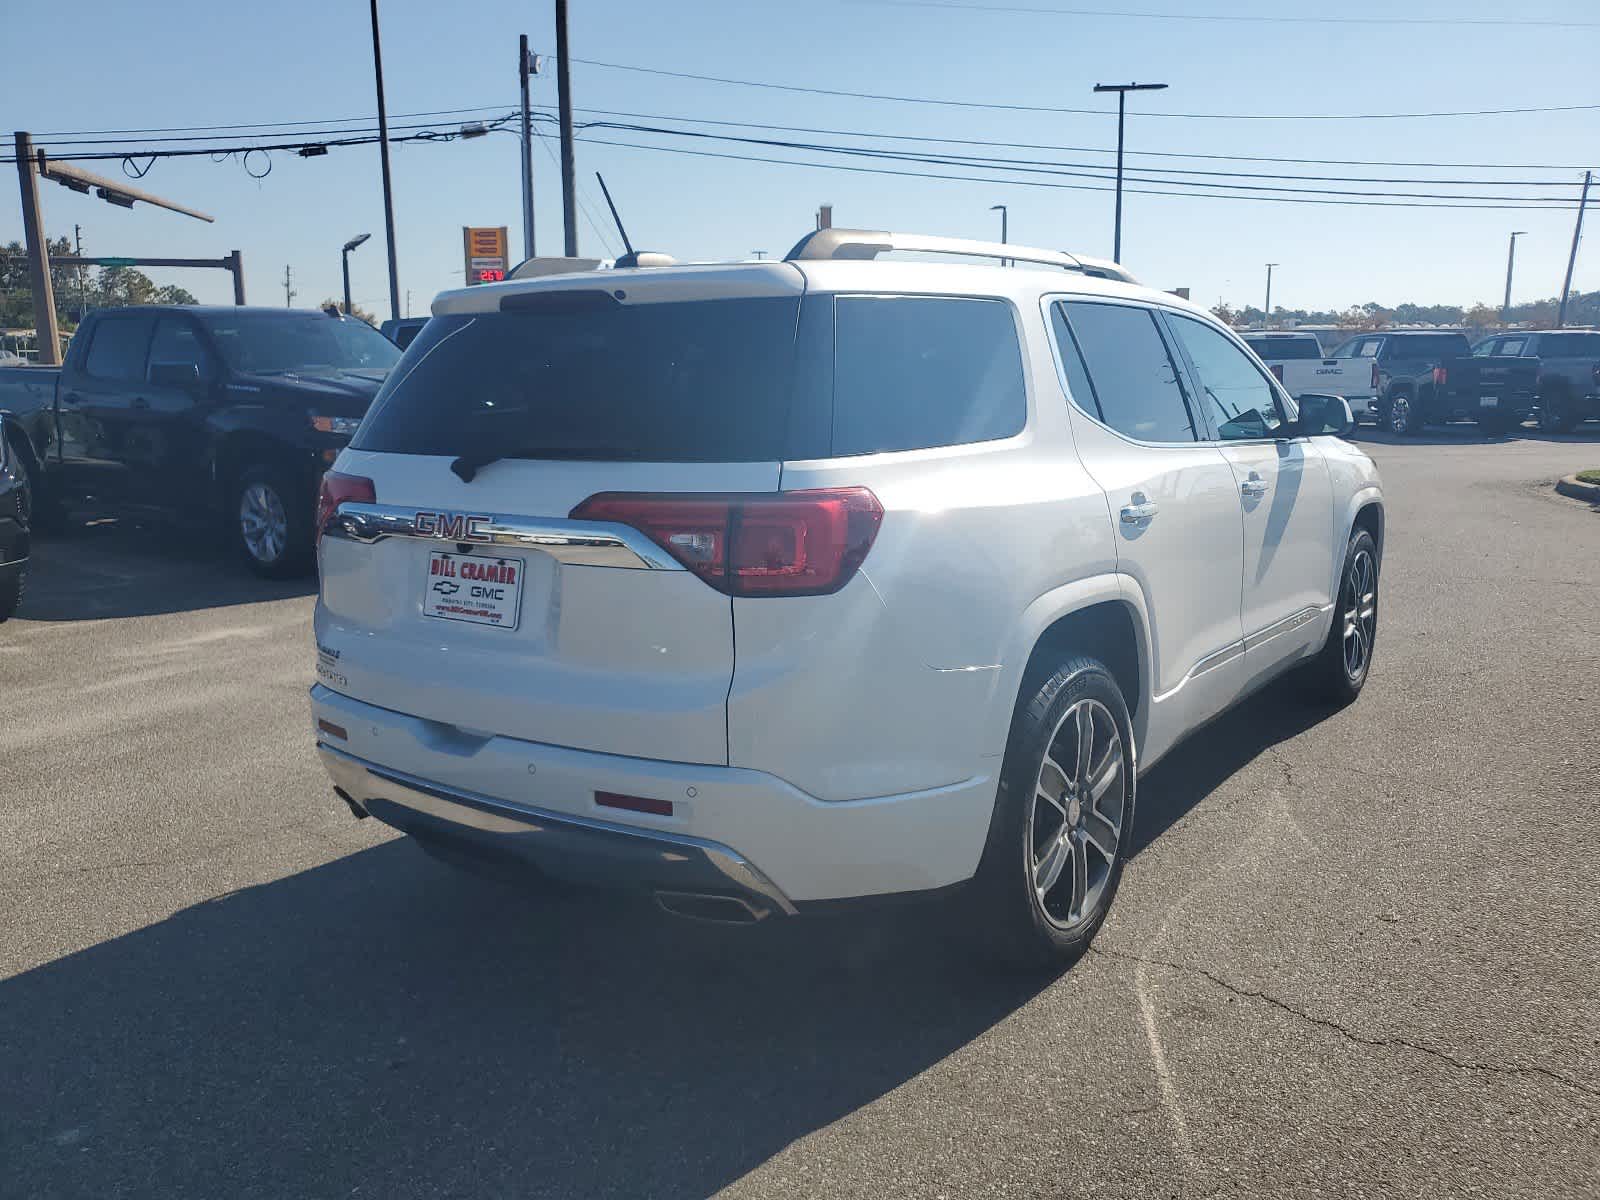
pixel 452 527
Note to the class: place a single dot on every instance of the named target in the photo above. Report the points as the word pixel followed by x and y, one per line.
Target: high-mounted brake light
pixel 336 489
pixel 807 543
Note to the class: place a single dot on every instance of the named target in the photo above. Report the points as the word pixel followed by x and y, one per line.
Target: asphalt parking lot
pixel 1355 954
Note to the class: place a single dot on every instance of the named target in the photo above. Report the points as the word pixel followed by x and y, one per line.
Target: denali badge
pixel 452 527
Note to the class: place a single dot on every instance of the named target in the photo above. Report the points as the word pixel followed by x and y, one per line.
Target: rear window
pixel 1569 345
pixel 1428 346
pixel 582 377
pixel 1278 349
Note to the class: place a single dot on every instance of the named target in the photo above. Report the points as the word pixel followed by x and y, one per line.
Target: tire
pixel 1075 844
pixel 269 522
pixel 1555 412
pixel 1399 415
pixel 1330 676
pixel 1497 424
pixel 42 513
pixel 11 594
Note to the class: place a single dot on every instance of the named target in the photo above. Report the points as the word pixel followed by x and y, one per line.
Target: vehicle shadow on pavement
pixel 102 567
pixel 1200 764
pixel 382 1025
pixel 1466 434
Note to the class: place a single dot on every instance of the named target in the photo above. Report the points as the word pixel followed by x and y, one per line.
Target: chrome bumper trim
pixel 585 543
pixel 565 844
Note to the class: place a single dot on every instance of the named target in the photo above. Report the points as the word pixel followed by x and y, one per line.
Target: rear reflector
pixel 807 543
pixel 336 489
pixel 643 804
pixel 332 730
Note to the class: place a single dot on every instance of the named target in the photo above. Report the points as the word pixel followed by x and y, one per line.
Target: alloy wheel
pixel 1400 415
pixel 263 523
pixel 1360 613
pixel 1076 817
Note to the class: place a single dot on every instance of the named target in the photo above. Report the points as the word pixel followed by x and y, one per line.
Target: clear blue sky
pixel 187 62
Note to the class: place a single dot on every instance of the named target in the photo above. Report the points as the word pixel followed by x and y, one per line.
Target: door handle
pixel 1139 511
pixel 1254 487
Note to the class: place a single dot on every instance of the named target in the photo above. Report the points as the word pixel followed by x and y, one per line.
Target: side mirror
pixel 175 374
pixel 1321 413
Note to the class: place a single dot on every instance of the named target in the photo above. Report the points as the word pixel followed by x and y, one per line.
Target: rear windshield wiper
pixel 467 466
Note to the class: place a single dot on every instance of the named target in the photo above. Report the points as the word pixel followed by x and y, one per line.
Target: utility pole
pixel 77 249
pixel 288 288
pixel 1572 256
pixel 527 64
pixel 38 247
pixel 1122 90
pixel 1266 318
pixel 1511 258
pixel 760 254
pixel 569 185
pixel 383 154
pixel 1001 209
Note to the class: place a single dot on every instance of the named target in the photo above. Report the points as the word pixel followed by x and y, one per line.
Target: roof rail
pixel 830 244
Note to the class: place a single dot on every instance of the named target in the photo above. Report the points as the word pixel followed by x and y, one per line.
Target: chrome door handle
pixel 1254 487
pixel 1139 511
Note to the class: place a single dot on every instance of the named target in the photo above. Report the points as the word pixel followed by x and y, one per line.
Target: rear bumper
pixel 732 831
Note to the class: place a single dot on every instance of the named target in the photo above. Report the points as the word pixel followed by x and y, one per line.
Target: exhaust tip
pixel 361 814
pixel 712 907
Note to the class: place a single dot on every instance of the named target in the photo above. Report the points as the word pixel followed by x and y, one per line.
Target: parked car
pixel 15 505
pixel 227 414
pixel 1296 361
pixel 1568 380
pixel 768 586
pixel 402 331
pixel 1430 376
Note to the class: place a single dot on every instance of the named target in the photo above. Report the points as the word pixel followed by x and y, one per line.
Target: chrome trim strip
pixel 583 543
pixel 1295 620
pixel 729 862
pixel 1210 662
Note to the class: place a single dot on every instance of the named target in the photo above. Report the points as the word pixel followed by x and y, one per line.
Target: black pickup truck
pixel 1429 376
pixel 1568 365
pixel 214 415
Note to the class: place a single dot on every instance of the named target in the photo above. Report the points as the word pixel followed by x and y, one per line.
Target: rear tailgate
pixel 475 606
pixel 1490 381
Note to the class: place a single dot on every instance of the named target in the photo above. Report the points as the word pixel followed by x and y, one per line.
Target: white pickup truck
pixel 1298 362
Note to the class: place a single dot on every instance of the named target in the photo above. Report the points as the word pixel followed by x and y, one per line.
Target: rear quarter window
pixel 912 372
pixel 118 346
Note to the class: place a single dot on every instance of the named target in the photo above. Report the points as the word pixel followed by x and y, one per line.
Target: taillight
pixel 336 489
pixel 1439 376
pixel 1374 376
pixel 753 544
pixel 1277 371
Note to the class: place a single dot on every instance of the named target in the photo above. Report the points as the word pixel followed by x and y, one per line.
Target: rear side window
pixel 1569 345
pixel 117 350
pixel 1134 385
pixel 584 377
pixel 918 371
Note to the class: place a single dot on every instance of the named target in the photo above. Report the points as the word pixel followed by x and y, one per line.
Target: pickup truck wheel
pixel 1338 673
pixel 1496 424
pixel 1063 820
pixel 11 593
pixel 1555 413
pixel 43 513
pixel 1399 416
pixel 271 523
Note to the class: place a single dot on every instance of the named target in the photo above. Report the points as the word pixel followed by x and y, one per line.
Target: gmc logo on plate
pixel 452 527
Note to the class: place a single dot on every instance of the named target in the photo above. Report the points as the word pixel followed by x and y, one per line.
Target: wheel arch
pixel 1104 616
pixel 236 452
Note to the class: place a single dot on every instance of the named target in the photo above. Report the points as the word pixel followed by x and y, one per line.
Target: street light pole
pixel 1511 258
pixel 1001 209
pixel 526 66
pixel 383 154
pixel 344 261
pixel 1122 90
pixel 1266 313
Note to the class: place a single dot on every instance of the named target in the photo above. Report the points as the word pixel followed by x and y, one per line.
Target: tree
pixel 77 289
pixel 1225 313
pixel 356 311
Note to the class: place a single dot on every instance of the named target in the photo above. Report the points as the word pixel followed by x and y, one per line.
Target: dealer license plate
pixel 1488 401
pixel 473 588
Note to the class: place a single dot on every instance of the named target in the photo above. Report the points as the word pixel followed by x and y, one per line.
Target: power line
pixel 1231 18
pixel 307 134
pixel 439 112
pixel 1076 187
pixel 1097 112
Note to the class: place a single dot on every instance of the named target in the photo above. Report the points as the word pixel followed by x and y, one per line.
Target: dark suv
pixel 1428 376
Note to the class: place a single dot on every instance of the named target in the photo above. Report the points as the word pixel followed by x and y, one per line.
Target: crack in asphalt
pixel 1349 1034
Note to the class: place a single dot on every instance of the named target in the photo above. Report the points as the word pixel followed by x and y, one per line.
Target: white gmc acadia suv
pixel 767 586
